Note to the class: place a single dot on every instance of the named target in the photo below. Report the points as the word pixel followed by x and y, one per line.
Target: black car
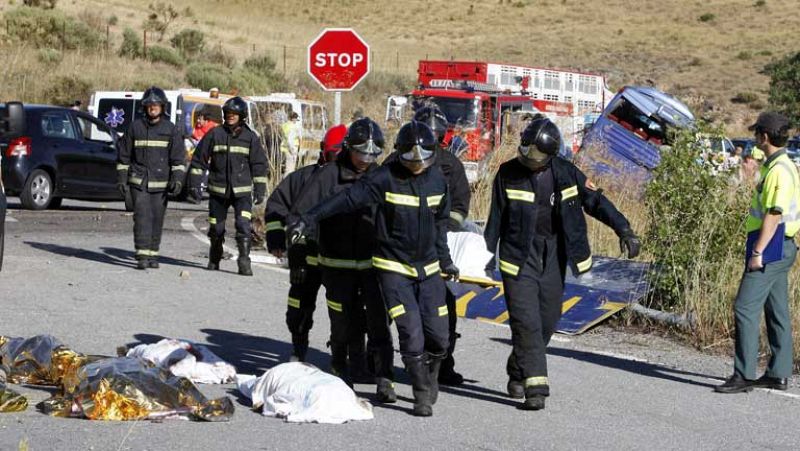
pixel 793 148
pixel 12 124
pixel 62 153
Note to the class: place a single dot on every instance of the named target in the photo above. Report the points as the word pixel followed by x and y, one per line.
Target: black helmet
pixel 435 119
pixel 364 140
pixel 416 145
pixel 539 142
pixel 235 105
pixel 154 95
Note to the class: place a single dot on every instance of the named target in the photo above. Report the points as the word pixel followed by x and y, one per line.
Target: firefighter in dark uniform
pixel 304 274
pixel 150 164
pixel 413 208
pixel 346 245
pixel 537 215
pixel 237 166
pixel 458 186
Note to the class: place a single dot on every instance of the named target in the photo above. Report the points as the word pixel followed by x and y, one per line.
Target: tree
pixel 784 86
pixel 160 18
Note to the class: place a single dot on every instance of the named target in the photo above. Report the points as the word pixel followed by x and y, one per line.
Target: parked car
pixel 793 148
pixel 61 153
pixel 12 122
pixel 746 144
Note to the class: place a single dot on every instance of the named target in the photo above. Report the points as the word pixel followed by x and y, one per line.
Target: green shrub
pixel 189 42
pixel 707 17
pixel 744 55
pixel 44 4
pixel 760 3
pixel 784 86
pixel 218 55
pixel 695 230
pixel 51 29
pixel 208 75
pixel 261 63
pixel 50 56
pixel 158 54
pixel 131 44
pixel 66 89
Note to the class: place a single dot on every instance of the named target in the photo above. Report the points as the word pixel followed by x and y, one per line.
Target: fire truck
pixel 485 101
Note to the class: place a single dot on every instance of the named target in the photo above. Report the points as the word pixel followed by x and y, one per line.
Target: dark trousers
pixel 351 294
pixel 534 308
pixel 218 213
pixel 766 291
pixel 448 364
pixel 148 221
pixel 419 309
pixel 302 303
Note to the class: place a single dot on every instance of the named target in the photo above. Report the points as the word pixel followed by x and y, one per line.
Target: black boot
pixel 153 263
pixel 141 263
pixel 515 389
pixel 299 348
pixel 215 252
pixel 383 363
pixel 243 244
pixel 434 364
pixel 357 355
pixel 534 397
pixel 417 367
pixel 448 374
pixel 339 363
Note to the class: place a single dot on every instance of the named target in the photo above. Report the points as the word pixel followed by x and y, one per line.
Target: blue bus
pixel 623 146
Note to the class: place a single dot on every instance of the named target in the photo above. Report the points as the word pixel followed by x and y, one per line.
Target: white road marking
pixel 265 261
pixel 10 219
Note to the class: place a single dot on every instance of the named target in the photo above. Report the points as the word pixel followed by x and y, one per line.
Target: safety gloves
pixel 629 243
pixel 122 183
pixel 175 185
pixel 451 272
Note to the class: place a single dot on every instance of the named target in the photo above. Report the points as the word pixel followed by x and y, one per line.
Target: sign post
pixel 338 59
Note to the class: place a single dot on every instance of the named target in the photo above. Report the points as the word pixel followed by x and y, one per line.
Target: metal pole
pixel 108 37
pixel 144 46
pixel 284 60
pixel 337 107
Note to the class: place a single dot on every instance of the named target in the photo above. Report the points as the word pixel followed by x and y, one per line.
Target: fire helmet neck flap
pixel 539 142
pixel 435 119
pixel 364 140
pixel 416 145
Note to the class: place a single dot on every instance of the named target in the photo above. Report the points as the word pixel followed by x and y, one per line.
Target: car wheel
pixel 128 201
pixel 38 191
pixel 55 203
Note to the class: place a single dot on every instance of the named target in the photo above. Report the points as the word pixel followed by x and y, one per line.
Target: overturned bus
pixel 625 142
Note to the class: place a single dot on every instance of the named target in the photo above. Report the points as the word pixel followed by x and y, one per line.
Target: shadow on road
pixel 109 255
pixel 631 366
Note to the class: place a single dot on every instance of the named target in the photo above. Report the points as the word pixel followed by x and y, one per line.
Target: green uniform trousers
pixel 767 289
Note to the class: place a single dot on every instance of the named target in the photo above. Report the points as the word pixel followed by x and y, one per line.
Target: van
pixel 276 108
pixel 624 143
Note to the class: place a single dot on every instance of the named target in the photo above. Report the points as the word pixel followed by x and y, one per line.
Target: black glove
pixel 122 183
pixel 451 271
pixel 258 198
pixel 297 275
pixel 195 196
pixel 175 186
pixel 628 241
pixel 296 231
pixel 123 189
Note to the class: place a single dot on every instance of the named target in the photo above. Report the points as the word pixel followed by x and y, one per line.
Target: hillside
pixel 706 52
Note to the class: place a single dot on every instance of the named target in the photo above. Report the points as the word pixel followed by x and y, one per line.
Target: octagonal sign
pixel 338 59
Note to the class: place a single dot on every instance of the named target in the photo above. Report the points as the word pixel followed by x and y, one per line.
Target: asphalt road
pixel 69 273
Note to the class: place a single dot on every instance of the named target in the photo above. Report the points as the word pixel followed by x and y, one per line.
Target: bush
pixel 44 4
pixel 161 16
pixel 50 56
pixel 51 29
pixel 218 55
pixel 744 55
pixel 66 89
pixel 158 54
pixel 262 64
pixel 207 75
pixel 695 231
pixel 784 86
pixel 745 97
pixel 707 17
pixel 132 46
pixel 189 42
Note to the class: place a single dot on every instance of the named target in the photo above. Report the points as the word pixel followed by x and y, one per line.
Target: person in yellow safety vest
pixel 290 145
pixel 773 222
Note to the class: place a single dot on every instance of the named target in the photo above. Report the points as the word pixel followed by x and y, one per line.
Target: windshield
pixel 457 111
pixel 642 125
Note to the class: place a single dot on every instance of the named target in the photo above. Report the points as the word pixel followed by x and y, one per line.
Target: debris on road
pixel 10 401
pixel 185 275
pixel 126 388
pixel 184 359
pixel 39 360
pixel 302 393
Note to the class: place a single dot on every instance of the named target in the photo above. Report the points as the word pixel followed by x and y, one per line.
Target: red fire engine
pixel 482 101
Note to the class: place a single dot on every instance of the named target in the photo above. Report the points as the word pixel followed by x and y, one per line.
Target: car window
pixel 94 130
pixel 56 124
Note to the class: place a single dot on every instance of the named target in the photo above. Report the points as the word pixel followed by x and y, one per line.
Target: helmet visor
pixel 532 152
pixel 369 147
pixel 417 153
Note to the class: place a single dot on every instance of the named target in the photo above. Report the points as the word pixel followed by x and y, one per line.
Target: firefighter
pixel 537 216
pixel 346 243
pixel 304 274
pixel 237 166
pixel 150 165
pixel 458 187
pixel 413 208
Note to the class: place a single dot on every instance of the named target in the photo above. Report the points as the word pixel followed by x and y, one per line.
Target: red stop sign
pixel 338 59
